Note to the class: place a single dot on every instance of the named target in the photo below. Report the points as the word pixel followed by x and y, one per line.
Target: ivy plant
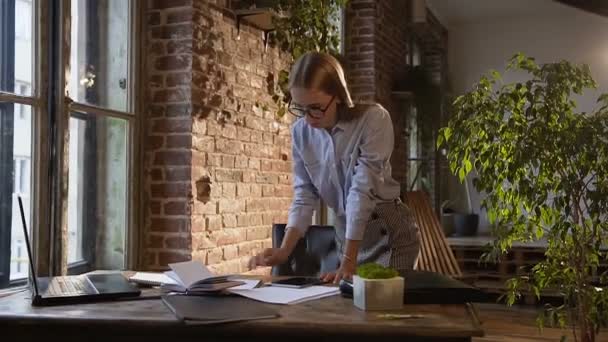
pixel 543 168
pixel 303 26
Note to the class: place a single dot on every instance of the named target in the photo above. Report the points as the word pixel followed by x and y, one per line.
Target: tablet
pixel 297 282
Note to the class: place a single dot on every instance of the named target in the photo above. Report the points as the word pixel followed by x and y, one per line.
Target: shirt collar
pixel 340 126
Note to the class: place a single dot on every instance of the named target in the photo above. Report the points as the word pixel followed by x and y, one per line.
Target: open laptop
pixel 74 289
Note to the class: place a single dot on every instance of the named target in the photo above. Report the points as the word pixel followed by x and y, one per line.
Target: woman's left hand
pixel 346 271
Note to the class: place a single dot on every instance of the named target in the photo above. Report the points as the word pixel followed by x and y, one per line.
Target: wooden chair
pixel 435 253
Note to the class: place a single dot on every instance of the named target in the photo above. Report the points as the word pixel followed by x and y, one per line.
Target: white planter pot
pixel 378 294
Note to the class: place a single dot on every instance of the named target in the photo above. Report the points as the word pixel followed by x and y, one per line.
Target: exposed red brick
pixel 150 259
pixel 155 207
pixel 156 81
pixel 197 71
pixel 178 62
pixel 268 190
pixel 154 18
pixel 229 221
pixel 173 158
pixel 165 258
pixel 169 225
pixel 178 174
pixel 266 165
pixel 228 146
pixel 156 49
pixel 179 141
pixel 227 175
pixel 182 46
pixel 178 242
pixel 155 241
pixel 154 142
pixel 179 125
pixel 257 233
pixel 156 174
pixel 359 5
pixel 170 190
pixel 177 79
pixel 214 256
pixel 177 208
pixel 180 16
pixel 156 111
pixel 228 161
pixel 170 95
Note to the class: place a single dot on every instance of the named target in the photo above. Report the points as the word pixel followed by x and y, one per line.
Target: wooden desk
pixel 333 319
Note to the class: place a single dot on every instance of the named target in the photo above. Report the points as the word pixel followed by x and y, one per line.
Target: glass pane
pixel 97 191
pixel 16 46
pixel 100 53
pixel 15 179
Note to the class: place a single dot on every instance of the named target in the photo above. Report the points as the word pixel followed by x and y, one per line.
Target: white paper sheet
pixel 151 278
pixel 249 284
pixel 284 295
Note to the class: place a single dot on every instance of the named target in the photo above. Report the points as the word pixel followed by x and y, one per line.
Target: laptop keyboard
pixel 68 286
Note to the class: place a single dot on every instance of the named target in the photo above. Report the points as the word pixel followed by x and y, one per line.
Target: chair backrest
pixel 435 252
pixel 314 254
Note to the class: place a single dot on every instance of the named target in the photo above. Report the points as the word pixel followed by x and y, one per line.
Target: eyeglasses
pixel 315 113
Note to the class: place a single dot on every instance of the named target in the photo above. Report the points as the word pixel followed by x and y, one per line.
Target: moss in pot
pixel 376 287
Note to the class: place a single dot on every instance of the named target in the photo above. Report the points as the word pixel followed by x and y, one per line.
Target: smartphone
pixel 297 282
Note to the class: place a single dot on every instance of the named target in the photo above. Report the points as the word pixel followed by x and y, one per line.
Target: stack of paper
pixel 284 295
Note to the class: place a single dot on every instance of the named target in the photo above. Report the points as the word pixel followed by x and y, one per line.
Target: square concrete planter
pixel 378 294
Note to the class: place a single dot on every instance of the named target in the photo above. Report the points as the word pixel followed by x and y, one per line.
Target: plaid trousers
pixel 392 237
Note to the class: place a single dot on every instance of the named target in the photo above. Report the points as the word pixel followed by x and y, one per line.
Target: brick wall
pixel 376 50
pixel 377 36
pixel 217 162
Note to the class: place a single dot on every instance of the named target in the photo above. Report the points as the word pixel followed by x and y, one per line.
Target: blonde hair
pixel 321 71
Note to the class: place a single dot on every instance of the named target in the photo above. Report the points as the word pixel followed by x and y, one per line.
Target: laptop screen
pixel 28 247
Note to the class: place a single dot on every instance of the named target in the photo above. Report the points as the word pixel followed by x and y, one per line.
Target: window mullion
pixel 10 97
pixel 95 110
pixel 41 135
pixel 62 137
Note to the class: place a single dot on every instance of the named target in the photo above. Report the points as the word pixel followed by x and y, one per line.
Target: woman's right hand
pixel 269 257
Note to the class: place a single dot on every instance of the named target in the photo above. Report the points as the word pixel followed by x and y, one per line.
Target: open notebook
pixel 192 277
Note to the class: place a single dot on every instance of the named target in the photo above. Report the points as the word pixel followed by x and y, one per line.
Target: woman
pixel 341 154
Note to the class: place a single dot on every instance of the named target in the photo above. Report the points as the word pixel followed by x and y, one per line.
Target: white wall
pixel 561 32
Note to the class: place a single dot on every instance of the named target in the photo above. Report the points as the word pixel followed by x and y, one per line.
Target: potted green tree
pixel 544 168
pixel 376 287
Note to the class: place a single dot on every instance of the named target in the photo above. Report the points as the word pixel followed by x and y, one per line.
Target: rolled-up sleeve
pixel 305 195
pixel 375 152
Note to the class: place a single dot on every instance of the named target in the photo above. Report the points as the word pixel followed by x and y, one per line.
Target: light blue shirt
pixel 348 167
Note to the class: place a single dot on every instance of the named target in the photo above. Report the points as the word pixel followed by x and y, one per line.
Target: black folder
pixel 217 309
pixel 423 287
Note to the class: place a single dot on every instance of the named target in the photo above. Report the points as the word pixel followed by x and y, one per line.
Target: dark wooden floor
pixel 508 324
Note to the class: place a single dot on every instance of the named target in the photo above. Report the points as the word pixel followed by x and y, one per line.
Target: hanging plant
pixel 312 25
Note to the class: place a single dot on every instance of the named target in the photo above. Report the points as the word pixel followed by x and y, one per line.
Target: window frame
pixel 71 108
pixel 51 109
pixel 7 60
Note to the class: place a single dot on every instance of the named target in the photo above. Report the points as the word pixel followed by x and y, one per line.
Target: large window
pixel 99 126
pixel 16 77
pixel 99 152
